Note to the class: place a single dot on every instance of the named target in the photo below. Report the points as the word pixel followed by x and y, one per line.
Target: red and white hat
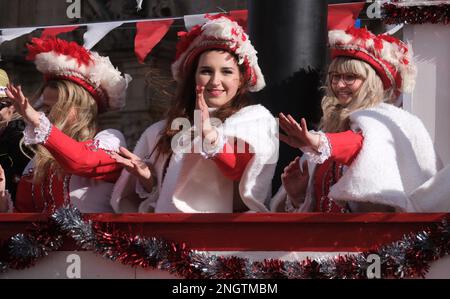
pixel 390 57
pixel 220 32
pixel 60 59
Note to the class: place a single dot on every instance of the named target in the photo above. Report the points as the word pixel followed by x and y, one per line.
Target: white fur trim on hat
pixel 99 72
pixel 383 48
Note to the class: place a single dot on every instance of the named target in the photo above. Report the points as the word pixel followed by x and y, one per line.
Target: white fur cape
pixel 193 184
pixel 397 157
pixel 433 196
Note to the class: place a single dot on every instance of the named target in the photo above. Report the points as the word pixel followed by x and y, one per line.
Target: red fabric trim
pixel 257 232
pixel 24 202
pixel 100 97
pixel 148 35
pixel 345 146
pixel 387 84
pixel 231 163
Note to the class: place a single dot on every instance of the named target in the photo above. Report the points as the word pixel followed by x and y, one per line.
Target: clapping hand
pixel 295 181
pixel 209 133
pixel 136 166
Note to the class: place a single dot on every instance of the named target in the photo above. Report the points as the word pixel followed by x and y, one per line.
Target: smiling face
pixel 219 73
pixel 345 86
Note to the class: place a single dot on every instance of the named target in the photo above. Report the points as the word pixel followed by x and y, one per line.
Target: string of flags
pixel 149 32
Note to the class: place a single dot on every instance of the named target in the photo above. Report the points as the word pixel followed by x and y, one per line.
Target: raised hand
pixel 209 133
pixel 134 165
pixel 295 181
pixel 22 104
pixel 297 135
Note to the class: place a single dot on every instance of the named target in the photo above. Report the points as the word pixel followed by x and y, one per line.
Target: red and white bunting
pixel 150 32
pixel 148 35
pixel 54 31
pixel 13 33
pixel 96 32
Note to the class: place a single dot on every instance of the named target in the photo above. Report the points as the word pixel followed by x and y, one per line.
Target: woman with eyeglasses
pixel 369 155
pixel 13 156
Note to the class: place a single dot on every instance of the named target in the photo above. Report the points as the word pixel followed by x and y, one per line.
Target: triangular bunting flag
pixel 96 32
pixel 340 16
pixel 148 35
pixel 194 20
pixel 54 31
pixel 343 16
pixel 10 34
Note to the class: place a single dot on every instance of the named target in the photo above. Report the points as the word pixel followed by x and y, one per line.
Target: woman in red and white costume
pixel 228 165
pixel 72 162
pixel 370 155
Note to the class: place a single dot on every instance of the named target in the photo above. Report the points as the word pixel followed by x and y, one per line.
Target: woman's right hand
pixel 23 105
pixel 295 181
pixel 297 135
pixel 134 165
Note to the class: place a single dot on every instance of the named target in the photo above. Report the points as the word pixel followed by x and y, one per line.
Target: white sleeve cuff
pixel 209 151
pixel 38 135
pixel 323 153
pixel 109 140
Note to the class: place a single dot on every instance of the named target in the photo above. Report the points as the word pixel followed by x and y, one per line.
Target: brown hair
pixel 184 103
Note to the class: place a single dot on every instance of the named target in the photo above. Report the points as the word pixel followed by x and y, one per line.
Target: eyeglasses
pixel 348 79
pixel 4 104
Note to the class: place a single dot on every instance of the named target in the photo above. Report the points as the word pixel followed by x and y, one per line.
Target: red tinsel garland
pixel 409 257
pixel 416 14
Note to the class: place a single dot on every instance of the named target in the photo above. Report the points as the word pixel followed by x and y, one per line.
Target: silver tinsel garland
pixel 408 257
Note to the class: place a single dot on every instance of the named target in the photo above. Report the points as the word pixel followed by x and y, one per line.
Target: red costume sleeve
pixel 345 146
pixel 82 158
pixel 231 163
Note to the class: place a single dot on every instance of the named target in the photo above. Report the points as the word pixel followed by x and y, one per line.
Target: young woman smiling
pixel 369 155
pixel 214 152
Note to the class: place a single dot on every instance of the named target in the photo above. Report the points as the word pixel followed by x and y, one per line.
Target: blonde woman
pixel 369 155
pixel 72 162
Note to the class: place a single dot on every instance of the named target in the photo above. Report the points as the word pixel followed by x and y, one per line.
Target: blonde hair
pixel 4 123
pixel 371 93
pixel 75 115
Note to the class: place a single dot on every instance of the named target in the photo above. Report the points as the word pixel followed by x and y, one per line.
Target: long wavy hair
pixel 371 93
pixel 184 103
pixel 73 101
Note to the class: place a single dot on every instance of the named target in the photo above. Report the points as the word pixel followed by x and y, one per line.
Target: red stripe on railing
pixel 256 232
